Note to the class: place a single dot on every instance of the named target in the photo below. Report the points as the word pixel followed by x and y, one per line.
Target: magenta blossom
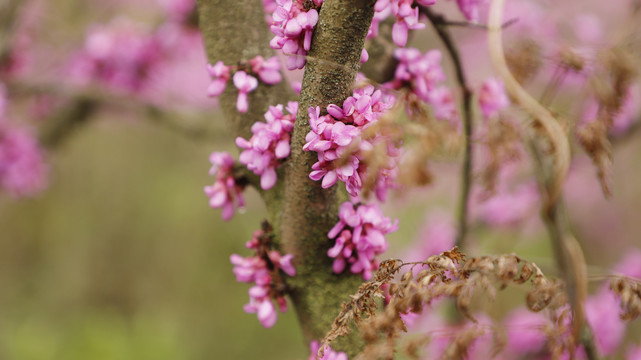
pixel 492 97
pixel 406 17
pixel 220 76
pixel 361 237
pixel 509 206
pixel 261 270
pixel 525 332
pixel 121 55
pixel 225 191
pixel 437 235
pixel 328 353
pixel 268 70
pixel 602 313
pixel 422 73
pixel 245 84
pixel 382 11
pixel 338 136
pixel 443 104
pixel 23 171
pixel 269 144
pixel 293 28
pixel 471 9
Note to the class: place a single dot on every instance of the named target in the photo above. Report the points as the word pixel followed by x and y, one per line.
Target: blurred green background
pixel 122 258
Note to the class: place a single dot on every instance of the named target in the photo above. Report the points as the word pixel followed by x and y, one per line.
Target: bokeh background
pixel 122 258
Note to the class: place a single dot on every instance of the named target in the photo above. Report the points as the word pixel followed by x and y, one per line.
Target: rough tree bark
pixel 300 211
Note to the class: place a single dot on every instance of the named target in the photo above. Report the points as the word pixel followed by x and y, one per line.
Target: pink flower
pixel 444 104
pixel 297 86
pixel 437 235
pixel 633 353
pixel 268 70
pixel 224 192
pixel 602 314
pixel 364 239
pixel 220 76
pixel 509 207
pixel 121 55
pixel 293 27
pixel 269 143
pixel 3 102
pixel 245 84
pixel 328 353
pixel 382 11
pixel 23 171
pixel 420 72
pixel 364 56
pixel 258 270
pixel 525 332
pixel 630 265
pixel 406 18
pixel 333 139
pixel 492 97
pixel 471 8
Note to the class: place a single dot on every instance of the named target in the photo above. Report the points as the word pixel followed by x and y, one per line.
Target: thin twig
pixel 468 24
pixel 439 22
pixel 86 101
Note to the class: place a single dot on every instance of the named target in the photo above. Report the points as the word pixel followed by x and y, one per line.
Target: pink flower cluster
pixel 293 27
pixel 262 269
pixel 362 240
pixel 509 206
pixel 406 17
pixel 471 9
pixel 422 73
pixel 121 54
pixel 437 235
pixel 336 138
pixel 23 171
pixel 269 144
pixel 267 70
pixel 492 97
pixel 328 352
pixel 225 191
pixel 220 74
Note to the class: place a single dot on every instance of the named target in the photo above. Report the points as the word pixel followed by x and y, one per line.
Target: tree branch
pixel 66 120
pixel 308 211
pixel 84 103
pixel 440 25
pixel 301 212
pixel 551 172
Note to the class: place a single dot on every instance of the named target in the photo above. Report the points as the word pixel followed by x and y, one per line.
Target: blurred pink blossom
pixel 23 171
pixel 492 97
